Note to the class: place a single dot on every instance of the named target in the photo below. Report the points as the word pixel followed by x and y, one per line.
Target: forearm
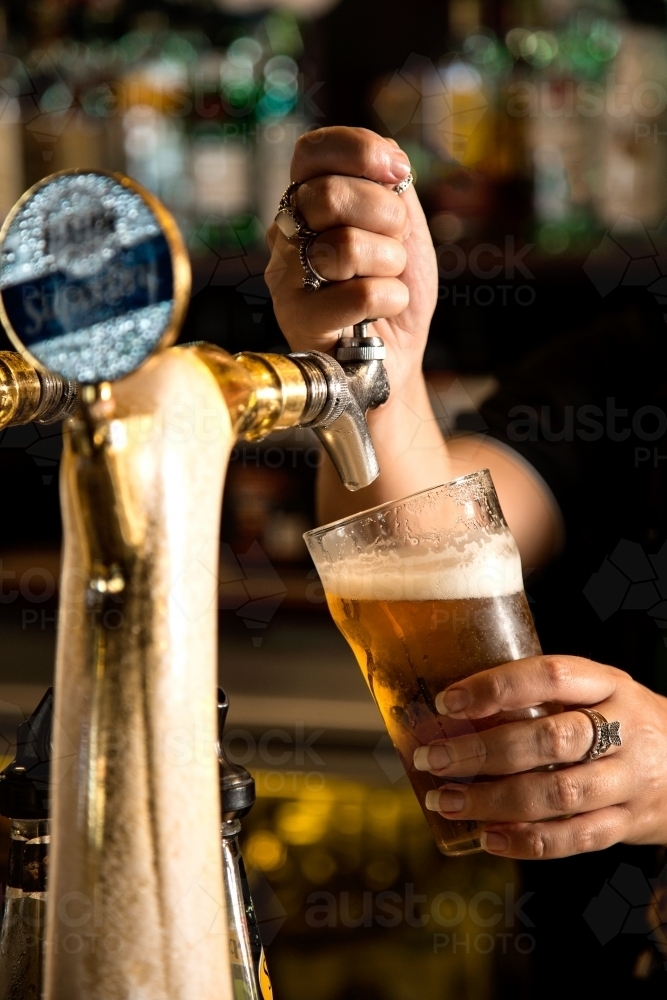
pixel 414 456
pixel 411 452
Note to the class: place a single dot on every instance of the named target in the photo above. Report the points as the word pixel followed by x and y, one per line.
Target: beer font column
pixel 94 283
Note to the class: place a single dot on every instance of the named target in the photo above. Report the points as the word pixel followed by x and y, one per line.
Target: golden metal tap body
pixel 27 394
pixel 136 904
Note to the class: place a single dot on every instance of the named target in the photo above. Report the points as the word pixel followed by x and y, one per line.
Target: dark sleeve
pixel 570 409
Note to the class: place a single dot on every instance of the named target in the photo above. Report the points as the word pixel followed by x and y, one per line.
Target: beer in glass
pixel 428 590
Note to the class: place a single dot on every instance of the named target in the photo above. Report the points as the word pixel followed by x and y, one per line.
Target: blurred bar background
pixel 535 127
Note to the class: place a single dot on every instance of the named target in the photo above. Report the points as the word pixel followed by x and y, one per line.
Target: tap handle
pixel 361 329
pixel 362 345
pixel 237 786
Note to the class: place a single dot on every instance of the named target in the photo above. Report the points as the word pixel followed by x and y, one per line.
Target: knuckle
pixel 471 749
pixel 397 212
pixel 535 843
pixel 564 792
pixel 304 145
pixel 349 243
pixel 553 739
pixel 329 194
pixel 585 839
pixel 399 255
pixel 369 145
pixel 365 295
pixel 558 670
pixel 621 676
pixel 499 687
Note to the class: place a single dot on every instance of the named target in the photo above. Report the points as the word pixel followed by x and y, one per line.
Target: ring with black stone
pixel 312 279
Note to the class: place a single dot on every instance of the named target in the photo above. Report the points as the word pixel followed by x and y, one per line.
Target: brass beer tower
pixel 94 284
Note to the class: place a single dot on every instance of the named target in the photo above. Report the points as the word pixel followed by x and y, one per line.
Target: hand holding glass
pixel 428 590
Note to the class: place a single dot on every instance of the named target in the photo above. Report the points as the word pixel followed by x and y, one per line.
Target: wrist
pixel 408 394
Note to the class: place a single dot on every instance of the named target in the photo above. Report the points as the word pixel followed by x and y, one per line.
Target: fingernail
pixel 432 800
pixel 454 700
pixel 492 841
pixel 431 758
pixel 451 802
pixel 400 166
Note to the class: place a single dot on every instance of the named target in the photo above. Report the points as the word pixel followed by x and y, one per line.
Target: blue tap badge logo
pixel 86 277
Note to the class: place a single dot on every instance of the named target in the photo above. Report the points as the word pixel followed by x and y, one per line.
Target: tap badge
pixel 87 275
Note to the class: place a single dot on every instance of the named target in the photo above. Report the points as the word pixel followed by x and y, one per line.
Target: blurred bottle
pixel 632 188
pixel 24 798
pixel 564 74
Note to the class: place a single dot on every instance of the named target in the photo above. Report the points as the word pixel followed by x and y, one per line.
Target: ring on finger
pixel 405 184
pixel 289 220
pixel 312 279
pixel 605 734
pixel 294 227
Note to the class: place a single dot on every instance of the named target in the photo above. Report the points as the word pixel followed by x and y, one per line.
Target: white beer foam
pixel 480 565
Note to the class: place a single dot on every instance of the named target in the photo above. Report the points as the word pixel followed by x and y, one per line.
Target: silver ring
pixel 605 734
pixel 404 185
pixel 312 279
pixel 289 220
pixel 294 227
pixel 286 200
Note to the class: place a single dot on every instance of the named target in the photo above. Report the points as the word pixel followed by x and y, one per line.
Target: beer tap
pixel 94 285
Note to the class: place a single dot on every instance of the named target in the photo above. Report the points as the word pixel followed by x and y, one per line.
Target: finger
pixel 535 796
pixel 356 152
pixel 569 680
pixel 318 315
pixel 346 253
pixel 334 200
pixel 593 831
pixel 271 236
pixel 564 738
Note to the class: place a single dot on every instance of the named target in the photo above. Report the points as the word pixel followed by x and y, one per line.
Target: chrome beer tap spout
pixel 356 381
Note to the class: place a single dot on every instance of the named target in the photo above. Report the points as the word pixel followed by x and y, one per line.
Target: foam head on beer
pixel 447 543
pixel 481 564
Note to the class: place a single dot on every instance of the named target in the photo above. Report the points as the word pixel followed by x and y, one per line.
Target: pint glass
pixel 428 590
